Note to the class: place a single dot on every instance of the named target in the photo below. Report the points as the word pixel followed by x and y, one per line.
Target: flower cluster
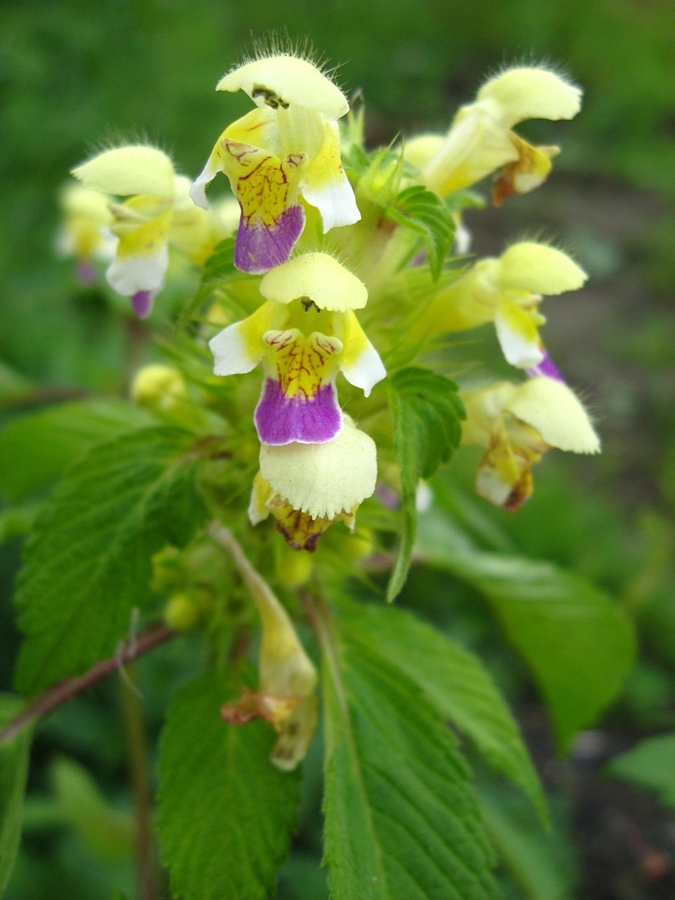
pixel 328 243
pixel 284 164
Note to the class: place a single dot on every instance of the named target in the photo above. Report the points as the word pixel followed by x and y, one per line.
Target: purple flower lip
pixel 281 420
pixel 258 248
pixel 545 369
pixel 142 303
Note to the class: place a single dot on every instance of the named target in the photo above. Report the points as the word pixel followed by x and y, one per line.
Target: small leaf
pixel 427 414
pixel 578 644
pixel 88 564
pixel 651 764
pixel 225 812
pixel 401 816
pixel 38 448
pixel 424 212
pixel 13 774
pixel 457 685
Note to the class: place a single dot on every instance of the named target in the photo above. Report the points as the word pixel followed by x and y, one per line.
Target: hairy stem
pixel 63 691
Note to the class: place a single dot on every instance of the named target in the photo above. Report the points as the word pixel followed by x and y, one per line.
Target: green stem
pixel 148 877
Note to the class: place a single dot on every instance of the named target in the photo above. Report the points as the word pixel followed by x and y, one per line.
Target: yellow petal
pixel 532 93
pixel 421 149
pixel 284 79
pixel 529 266
pixel 136 169
pixel 317 276
pixel 556 413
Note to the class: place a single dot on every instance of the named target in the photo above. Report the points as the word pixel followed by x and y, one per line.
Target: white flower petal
pixel 365 370
pixel 198 189
pixel 517 335
pixel 232 354
pixel 335 201
pixel 130 274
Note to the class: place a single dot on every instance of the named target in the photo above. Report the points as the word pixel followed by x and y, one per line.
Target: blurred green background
pixel 79 75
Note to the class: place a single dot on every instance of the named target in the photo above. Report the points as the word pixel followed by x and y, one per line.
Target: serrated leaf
pixel 651 763
pixel 225 812
pixel 13 774
pixel 219 269
pixel 401 816
pixel 457 685
pixel 88 564
pixel 424 212
pixel 427 414
pixel 577 643
pixel 542 864
pixel 37 448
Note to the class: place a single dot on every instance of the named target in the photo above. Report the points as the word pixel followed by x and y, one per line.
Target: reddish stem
pixel 63 691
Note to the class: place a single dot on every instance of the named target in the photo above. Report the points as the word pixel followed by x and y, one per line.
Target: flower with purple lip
pixel 157 214
pixel 286 148
pixel 304 333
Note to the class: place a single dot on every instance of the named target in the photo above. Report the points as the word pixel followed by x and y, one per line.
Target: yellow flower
pixel 305 332
pixel 481 138
pixel 288 146
pixel 308 487
pixel 517 424
pixel 84 232
pixel 157 213
pixel 506 290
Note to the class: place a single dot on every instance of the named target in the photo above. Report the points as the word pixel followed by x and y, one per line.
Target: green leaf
pixel 542 864
pixel 88 564
pixel 651 764
pixel 225 812
pixel 18 521
pixel 578 644
pixel 108 832
pixel 427 414
pixel 424 212
pixel 401 816
pixel 39 447
pixel 456 684
pixel 13 774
